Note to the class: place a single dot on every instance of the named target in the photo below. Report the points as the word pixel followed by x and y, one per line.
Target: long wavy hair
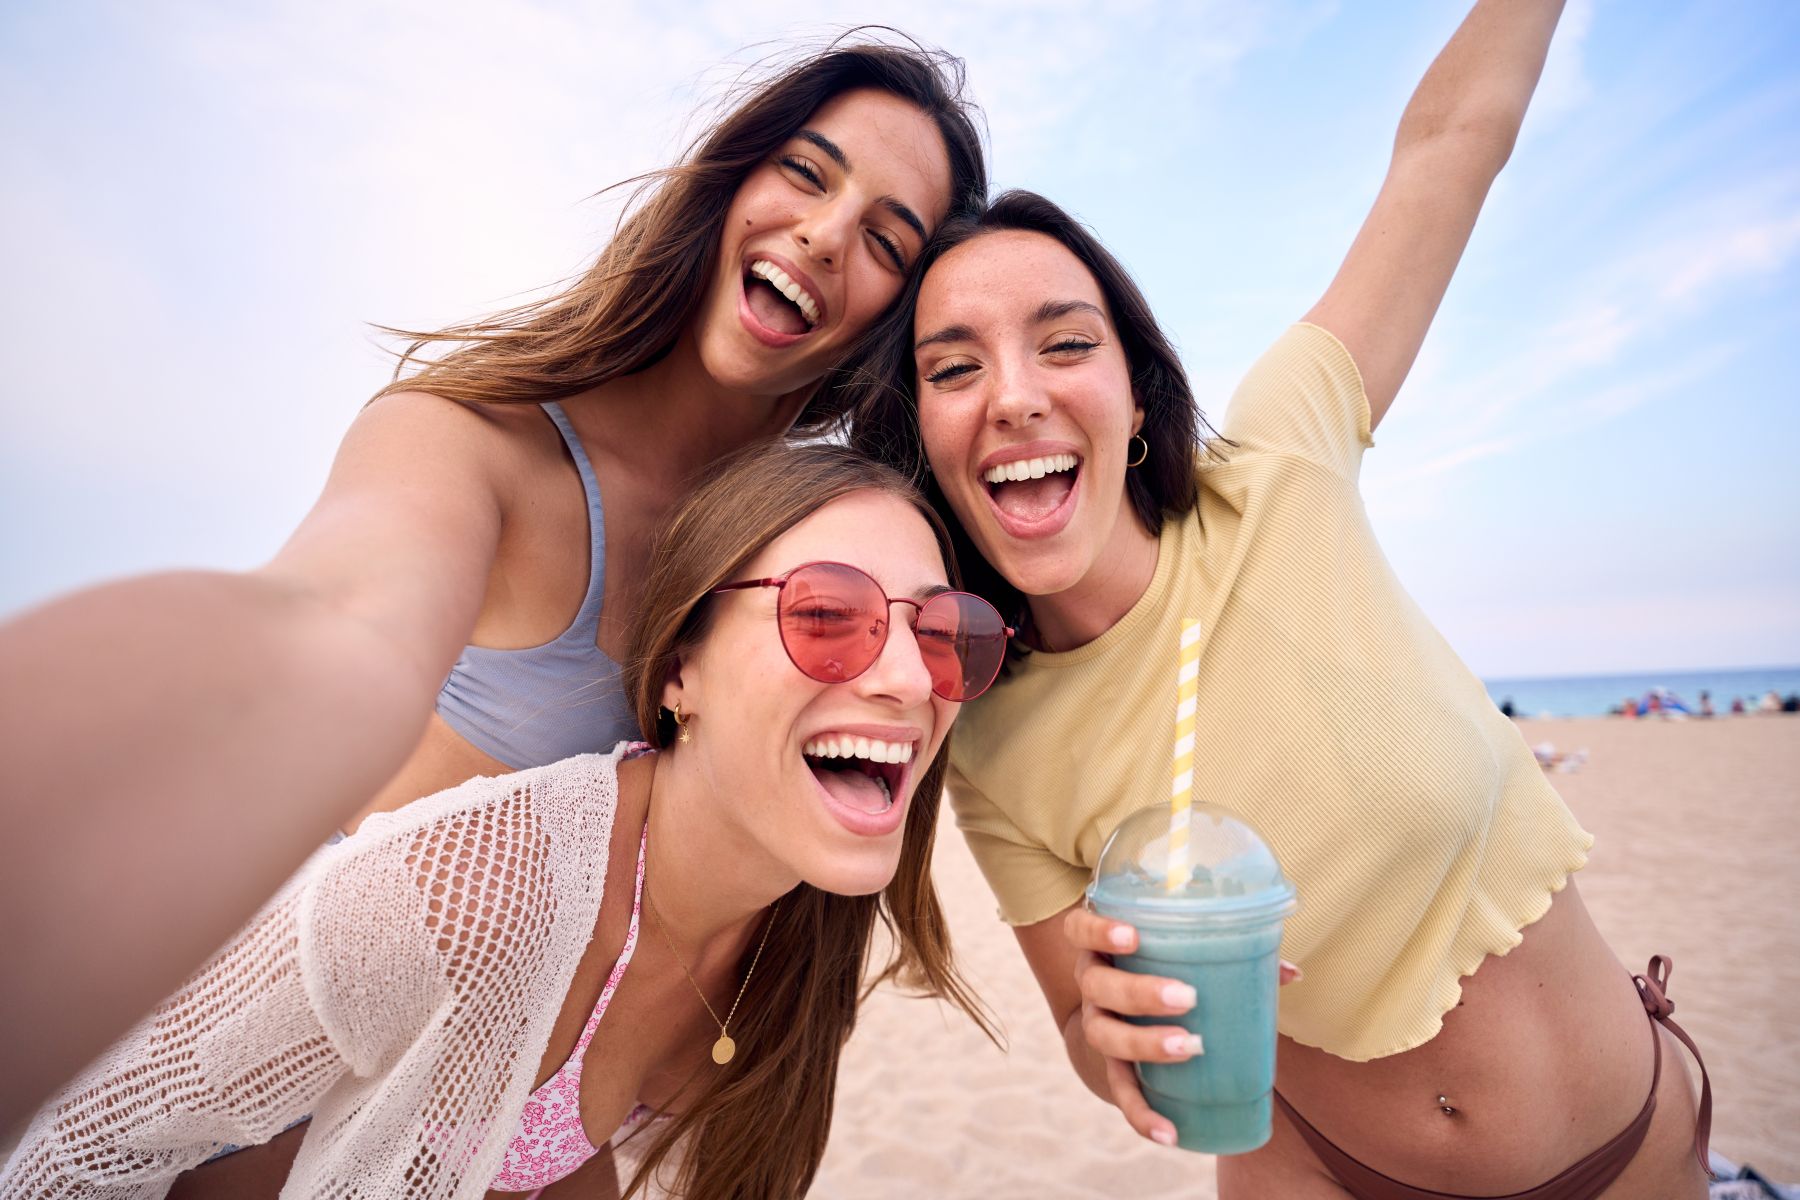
pixel 758 1130
pixel 879 393
pixel 627 310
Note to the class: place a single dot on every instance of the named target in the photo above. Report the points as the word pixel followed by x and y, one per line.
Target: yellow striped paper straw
pixel 1181 770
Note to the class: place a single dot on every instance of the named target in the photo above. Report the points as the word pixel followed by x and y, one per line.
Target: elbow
pixel 345 632
pixel 1476 138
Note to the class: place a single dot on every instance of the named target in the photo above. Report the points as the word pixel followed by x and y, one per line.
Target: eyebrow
pixel 949 333
pixel 1048 311
pixel 936 589
pixel 1052 309
pixel 836 154
pixel 832 150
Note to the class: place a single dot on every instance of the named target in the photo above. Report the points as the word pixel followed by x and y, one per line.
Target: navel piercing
pixel 1448 1108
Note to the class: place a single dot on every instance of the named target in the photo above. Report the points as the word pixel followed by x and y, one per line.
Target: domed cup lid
pixel 1229 874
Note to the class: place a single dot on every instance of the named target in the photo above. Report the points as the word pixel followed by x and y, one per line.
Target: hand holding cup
pixel 1108 994
pixel 1191 912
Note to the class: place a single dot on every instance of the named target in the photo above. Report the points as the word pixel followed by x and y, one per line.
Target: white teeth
pixel 1030 468
pixel 845 746
pixel 887 793
pixel 783 283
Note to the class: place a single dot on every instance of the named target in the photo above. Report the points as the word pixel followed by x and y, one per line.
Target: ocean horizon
pixel 1599 695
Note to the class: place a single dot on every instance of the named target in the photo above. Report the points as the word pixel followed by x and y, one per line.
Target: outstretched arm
pixel 176 745
pixel 1455 135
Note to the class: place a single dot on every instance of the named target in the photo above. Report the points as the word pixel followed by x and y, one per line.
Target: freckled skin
pixel 1019 379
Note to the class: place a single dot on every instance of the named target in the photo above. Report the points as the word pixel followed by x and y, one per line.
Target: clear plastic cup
pixel 1219 930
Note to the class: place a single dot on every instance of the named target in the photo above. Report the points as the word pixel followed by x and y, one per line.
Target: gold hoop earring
pixel 681 724
pixel 1142 454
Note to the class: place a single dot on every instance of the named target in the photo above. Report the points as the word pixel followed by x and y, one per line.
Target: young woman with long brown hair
pixel 492 986
pixel 1461 1027
pixel 456 602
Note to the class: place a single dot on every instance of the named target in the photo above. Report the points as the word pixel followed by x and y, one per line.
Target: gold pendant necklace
pixel 723 1050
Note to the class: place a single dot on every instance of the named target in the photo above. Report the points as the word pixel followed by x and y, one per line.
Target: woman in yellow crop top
pixel 1460 1023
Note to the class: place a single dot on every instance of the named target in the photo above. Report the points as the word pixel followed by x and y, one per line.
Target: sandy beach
pixel 1697 858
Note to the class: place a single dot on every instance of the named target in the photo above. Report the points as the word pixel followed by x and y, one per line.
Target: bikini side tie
pixel 1653 990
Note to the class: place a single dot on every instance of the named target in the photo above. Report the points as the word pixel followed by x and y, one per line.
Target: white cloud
pixel 1603 351
pixel 1760 249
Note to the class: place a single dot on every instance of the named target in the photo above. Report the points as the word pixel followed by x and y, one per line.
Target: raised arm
pixel 1455 135
pixel 177 744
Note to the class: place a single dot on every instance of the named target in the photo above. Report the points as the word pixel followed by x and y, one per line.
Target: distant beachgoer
pixel 1792 703
pixel 1771 702
pixel 1551 759
pixel 1706 705
pixel 1737 706
pixel 1506 707
pixel 1629 708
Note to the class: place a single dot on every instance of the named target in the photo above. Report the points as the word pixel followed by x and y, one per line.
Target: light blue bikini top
pixel 531 707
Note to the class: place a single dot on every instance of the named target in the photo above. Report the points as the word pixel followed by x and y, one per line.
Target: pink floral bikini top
pixel 551 1143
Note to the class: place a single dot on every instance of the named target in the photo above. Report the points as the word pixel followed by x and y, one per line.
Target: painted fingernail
pixel 1120 936
pixel 1163 1136
pixel 1185 1044
pixel 1178 995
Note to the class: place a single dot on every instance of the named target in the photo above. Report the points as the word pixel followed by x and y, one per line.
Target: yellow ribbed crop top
pixel 1407 811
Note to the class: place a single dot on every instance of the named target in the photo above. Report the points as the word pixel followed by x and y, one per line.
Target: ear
pixel 673 685
pixel 1137 415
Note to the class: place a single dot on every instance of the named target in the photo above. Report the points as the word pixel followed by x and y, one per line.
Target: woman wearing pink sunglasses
pixel 456 602
pixel 464 995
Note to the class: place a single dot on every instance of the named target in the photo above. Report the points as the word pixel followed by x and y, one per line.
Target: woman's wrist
pixel 1089 1066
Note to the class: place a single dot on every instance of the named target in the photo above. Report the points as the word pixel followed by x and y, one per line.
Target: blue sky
pixel 1590 470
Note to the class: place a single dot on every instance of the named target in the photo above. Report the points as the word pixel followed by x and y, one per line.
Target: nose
pixel 825 230
pixel 899 673
pixel 1017 399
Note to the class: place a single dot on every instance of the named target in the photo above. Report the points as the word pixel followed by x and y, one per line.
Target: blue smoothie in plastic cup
pixel 1219 931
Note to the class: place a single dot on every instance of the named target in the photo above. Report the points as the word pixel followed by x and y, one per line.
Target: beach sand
pixel 1697 857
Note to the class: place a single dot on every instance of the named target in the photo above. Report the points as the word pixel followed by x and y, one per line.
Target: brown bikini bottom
pixel 1583 1181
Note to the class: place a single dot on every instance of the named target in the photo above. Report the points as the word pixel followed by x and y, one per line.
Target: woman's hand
pixel 1109 994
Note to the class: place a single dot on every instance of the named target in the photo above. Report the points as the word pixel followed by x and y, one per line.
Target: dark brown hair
pixel 758 1131
pixel 881 399
pixel 627 310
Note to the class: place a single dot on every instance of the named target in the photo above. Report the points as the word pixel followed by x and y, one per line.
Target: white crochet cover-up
pixel 400 988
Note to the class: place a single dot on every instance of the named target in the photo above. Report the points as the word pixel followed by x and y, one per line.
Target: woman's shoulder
pixel 436 898
pixel 507 435
pixel 1302 399
pixel 494 845
pixel 580 783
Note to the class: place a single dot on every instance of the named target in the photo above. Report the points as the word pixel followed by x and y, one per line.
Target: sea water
pixel 1597 695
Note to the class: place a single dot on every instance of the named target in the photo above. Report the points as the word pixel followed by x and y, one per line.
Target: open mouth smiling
pixel 1031 495
pixel 862 774
pixel 781 301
